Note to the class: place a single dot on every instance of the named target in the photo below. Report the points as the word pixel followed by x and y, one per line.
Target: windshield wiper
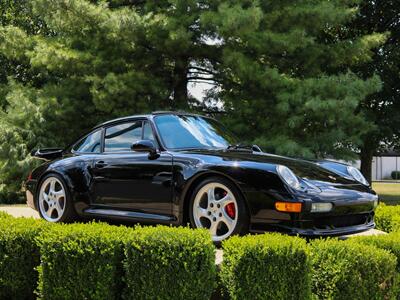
pixel 254 148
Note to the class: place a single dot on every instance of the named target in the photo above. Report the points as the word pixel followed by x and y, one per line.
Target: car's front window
pixel 192 132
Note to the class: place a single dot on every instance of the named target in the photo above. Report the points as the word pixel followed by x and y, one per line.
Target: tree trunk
pixel 366 156
pixel 181 84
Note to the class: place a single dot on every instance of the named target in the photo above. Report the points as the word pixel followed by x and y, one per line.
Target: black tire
pixel 242 225
pixel 69 214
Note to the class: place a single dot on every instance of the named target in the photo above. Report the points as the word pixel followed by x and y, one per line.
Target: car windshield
pixel 192 132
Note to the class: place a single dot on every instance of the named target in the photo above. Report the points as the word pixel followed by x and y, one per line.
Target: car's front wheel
pixel 217 205
pixel 54 203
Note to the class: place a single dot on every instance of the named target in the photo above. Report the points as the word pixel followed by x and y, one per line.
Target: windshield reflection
pixel 192 132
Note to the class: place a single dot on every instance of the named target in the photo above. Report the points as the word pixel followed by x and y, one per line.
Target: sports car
pixel 180 168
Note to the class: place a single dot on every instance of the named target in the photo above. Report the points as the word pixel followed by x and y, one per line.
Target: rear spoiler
pixel 47 154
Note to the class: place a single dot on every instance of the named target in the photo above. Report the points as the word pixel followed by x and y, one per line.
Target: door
pixel 128 180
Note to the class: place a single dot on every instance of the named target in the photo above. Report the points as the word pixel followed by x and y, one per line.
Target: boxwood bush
pixel 387 218
pixel 389 242
pixel 395 175
pixel 81 261
pixel 269 266
pixel 19 256
pixel 350 270
pixel 169 263
pixel 4 215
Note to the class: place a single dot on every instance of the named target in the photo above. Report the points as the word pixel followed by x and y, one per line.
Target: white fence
pixel 383 166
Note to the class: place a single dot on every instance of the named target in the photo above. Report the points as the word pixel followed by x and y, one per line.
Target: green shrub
pixel 269 266
pixel 389 242
pixel 4 215
pixel 350 270
pixel 81 261
pixel 387 218
pixel 19 256
pixel 169 263
pixel 395 175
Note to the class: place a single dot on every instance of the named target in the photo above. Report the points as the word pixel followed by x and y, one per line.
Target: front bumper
pixel 321 226
pixel 352 211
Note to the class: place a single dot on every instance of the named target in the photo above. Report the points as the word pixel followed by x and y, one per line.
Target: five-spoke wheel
pixel 217 206
pixel 53 200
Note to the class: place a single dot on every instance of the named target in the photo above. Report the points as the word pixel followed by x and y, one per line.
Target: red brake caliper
pixel 230 210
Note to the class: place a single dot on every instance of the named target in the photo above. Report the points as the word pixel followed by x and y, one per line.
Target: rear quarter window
pixel 89 144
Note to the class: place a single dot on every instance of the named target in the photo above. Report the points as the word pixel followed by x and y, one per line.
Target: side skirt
pixel 129 215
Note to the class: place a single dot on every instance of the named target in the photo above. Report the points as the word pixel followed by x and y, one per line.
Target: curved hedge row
pixel 387 217
pixel 348 270
pixel 267 266
pixel 100 261
pixel 19 256
pixel 166 263
pixel 81 261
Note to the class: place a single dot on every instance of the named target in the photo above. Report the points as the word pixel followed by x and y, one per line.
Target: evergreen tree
pixel 285 76
pixel 18 112
pixel 99 60
pixel 382 108
pixel 280 69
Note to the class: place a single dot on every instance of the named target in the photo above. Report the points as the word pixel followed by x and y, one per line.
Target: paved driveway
pixel 20 211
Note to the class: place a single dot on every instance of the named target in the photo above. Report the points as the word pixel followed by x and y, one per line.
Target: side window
pixel 148 132
pixel 89 144
pixel 120 138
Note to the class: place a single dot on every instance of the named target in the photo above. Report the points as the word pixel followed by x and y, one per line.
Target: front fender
pixel 260 187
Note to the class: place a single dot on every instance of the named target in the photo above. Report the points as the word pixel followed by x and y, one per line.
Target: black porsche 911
pixel 178 168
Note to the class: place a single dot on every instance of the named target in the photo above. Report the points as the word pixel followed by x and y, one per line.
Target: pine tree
pixel 285 76
pixel 280 69
pixel 382 108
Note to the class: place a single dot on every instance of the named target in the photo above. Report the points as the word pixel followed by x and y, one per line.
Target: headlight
pixel 356 174
pixel 288 176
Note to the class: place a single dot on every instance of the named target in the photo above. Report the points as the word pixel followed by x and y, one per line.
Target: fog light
pixel 321 207
pixel 288 206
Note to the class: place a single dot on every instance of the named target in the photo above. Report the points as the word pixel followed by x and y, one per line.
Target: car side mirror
pixel 145 146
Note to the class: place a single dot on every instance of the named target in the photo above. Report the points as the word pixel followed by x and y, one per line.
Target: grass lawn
pixel 388 192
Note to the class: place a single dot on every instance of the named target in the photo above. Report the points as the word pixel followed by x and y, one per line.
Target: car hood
pixel 307 170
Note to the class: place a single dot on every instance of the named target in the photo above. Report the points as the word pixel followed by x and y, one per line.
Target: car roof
pixel 145 116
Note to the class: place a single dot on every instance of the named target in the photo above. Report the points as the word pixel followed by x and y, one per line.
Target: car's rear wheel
pixel 54 201
pixel 217 205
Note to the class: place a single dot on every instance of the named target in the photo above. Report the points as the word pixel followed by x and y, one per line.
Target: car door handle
pixel 100 164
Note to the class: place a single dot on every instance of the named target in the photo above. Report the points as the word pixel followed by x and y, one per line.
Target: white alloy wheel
pixel 215 208
pixel 52 199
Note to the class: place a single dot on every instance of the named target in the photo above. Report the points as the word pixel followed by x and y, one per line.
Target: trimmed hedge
pixel 100 261
pixel 5 215
pixel 269 266
pixel 387 218
pixel 19 256
pixel 81 261
pixel 389 242
pixel 169 263
pixel 395 175
pixel 349 270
